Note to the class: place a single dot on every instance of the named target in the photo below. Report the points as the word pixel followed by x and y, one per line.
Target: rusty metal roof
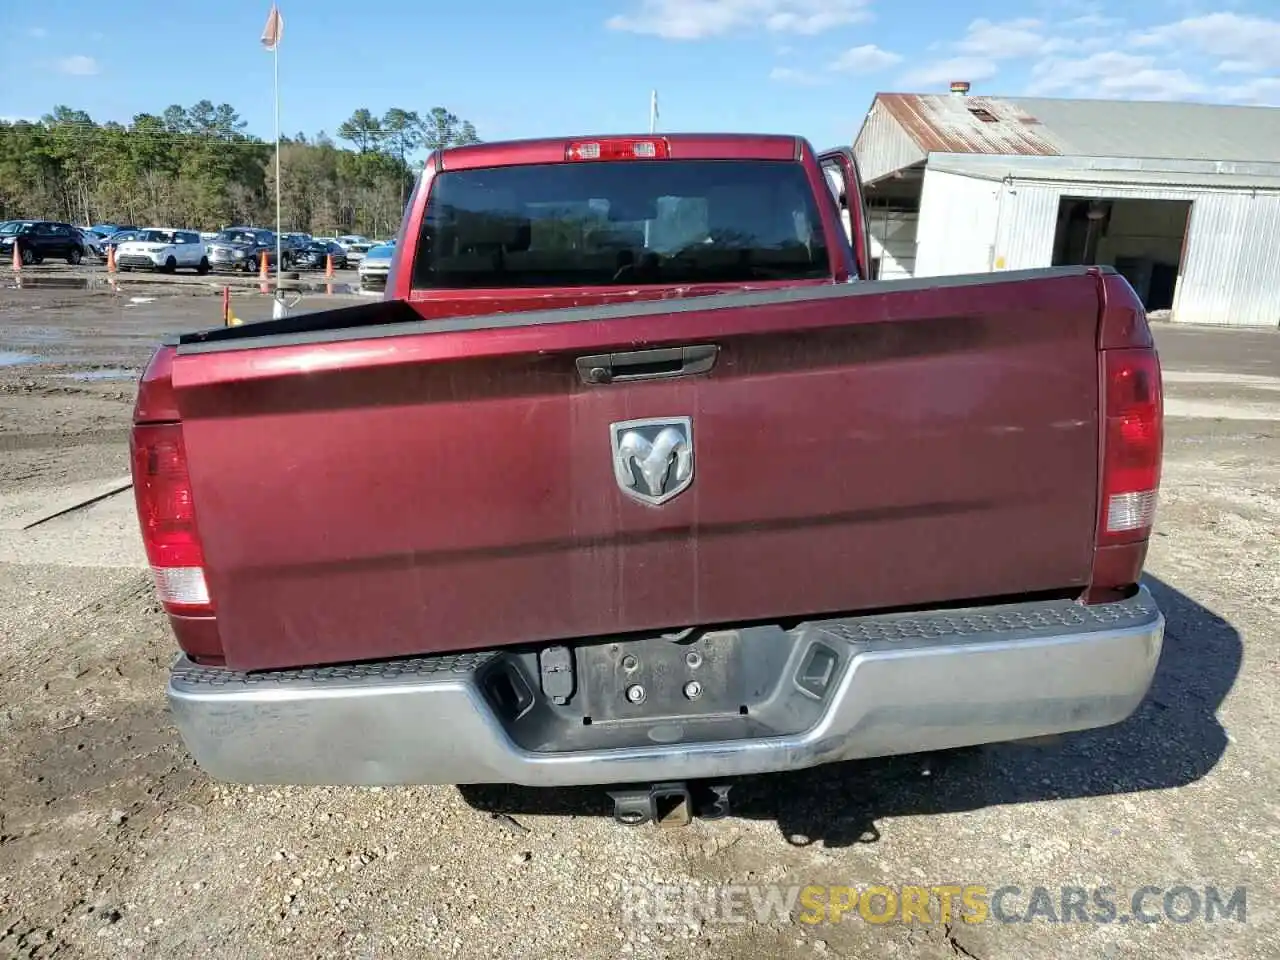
pixel 952 124
pixel 1049 127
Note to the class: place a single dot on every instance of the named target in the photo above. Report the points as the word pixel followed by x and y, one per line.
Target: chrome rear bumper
pixel 905 683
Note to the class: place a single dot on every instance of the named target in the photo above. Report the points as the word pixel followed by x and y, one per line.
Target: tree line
pixel 196 167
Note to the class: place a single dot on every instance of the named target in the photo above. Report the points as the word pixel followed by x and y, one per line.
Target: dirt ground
pixel 112 844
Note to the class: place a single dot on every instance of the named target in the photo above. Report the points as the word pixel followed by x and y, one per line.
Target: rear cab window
pixel 612 223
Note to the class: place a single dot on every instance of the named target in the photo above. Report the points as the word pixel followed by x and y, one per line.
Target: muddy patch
pixel 91 376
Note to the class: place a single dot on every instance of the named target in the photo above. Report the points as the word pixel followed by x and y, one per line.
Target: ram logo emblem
pixel 653 459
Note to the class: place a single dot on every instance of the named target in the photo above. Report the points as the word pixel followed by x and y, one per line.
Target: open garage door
pixel 1142 239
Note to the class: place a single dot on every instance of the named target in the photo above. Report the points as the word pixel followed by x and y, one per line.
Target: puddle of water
pixel 37 335
pixel 88 376
pixel 311 286
pixel 98 281
pixel 9 358
pixel 55 283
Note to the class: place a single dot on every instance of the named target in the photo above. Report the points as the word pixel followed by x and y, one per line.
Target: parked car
pixel 92 241
pixel 356 251
pixel 348 239
pixel 673 494
pixel 158 248
pixel 108 229
pixel 8 229
pixel 375 266
pixel 315 254
pixel 244 248
pixel 39 240
pixel 112 243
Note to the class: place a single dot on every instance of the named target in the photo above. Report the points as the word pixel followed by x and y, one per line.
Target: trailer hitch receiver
pixel 668 804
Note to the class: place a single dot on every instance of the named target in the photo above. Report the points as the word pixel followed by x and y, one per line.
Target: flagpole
pixel 279 243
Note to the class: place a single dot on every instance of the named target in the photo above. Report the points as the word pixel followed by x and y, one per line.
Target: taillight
pixel 1133 440
pixel 618 149
pixel 166 513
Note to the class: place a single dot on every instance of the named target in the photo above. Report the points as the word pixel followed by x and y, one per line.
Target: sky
pixel 517 68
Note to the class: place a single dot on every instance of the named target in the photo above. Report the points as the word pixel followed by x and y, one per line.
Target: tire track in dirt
pixel 90 764
pixel 14 442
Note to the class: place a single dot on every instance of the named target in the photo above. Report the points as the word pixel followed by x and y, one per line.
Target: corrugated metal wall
pixel 1231 264
pixel 882 146
pixel 957 229
pixel 1027 222
pixel 893 242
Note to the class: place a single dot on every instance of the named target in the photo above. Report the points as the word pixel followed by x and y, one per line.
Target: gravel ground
pixel 112 844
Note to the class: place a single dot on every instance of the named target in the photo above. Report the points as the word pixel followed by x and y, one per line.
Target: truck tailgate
pixel 447 486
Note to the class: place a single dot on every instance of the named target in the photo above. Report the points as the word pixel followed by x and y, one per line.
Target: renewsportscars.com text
pixel 941 903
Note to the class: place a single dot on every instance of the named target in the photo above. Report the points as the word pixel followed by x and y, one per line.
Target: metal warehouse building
pixel 1183 199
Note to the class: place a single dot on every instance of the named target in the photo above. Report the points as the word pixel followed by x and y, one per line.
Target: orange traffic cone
pixel 17 257
pixel 229 318
pixel 328 266
pixel 264 285
pixel 111 259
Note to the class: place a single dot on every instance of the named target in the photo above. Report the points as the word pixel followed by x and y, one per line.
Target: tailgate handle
pixel 648 364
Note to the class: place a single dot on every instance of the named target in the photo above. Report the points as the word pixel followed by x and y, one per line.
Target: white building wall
pixel 882 146
pixel 1230 267
pixel 1231 273
pixel 893 242
pixel 1231 264
pixel 957 228
pixel 1026 225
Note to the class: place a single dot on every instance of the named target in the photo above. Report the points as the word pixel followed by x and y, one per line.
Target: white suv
pixel 161 249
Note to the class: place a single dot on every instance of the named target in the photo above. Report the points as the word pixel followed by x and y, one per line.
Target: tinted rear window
pixel 620 223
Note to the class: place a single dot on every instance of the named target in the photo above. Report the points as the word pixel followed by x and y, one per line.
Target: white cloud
pixel 699 19
pixel 1113 74
pixel 1095 21
pixel 1082 51
pixel 1007 40
pixel 1076 8
pixel 1249 44
pixel 1154 68
pixel 1259 91
pixel 78 65
pixel 801 78
pixel 867 58
pixel 987 43
pixel 941 72
pixel 1026 37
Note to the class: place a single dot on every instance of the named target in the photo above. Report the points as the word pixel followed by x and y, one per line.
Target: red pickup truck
pixel 634 477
